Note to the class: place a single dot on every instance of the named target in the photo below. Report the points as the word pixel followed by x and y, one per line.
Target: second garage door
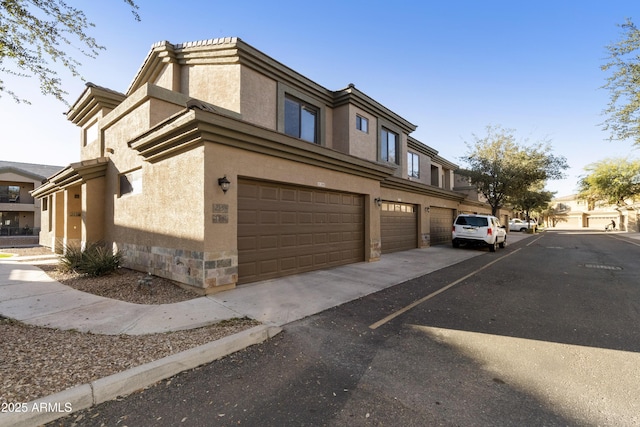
pixel 441 222
pixel 285 229
pixel 398 227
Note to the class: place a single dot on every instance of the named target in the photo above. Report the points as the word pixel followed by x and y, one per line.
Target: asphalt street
pixel 544 332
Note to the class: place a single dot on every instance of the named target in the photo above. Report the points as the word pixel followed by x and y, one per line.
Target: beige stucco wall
pixel 341 128
pixel 259 99
pixel 156 226
pixel 161 229
pixel 168 212
pixel 216 84
pixel 361 144
pixel 169 77
pixel 93 210
pixel 73 216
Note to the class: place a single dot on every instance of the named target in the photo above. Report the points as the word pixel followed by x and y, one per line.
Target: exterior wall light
pixel 427 209
pixel 378 201
pixel 224 183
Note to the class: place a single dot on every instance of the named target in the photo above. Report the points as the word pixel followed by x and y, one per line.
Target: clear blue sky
pixel 450 67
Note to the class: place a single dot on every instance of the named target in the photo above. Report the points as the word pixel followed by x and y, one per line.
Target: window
pixel 472 221
pixel 131 183
pixel 300 120
pixel 362 124
pixel 9 194
pixel 413 165
pixel 388 146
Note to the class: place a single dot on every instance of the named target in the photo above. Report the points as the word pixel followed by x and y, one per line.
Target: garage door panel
pixel 305 196
pixel 440 223
pixel 288 263
pixel 268 267
pixel 398 227
pixel 296 229
pixel 247 243
pixel 305 261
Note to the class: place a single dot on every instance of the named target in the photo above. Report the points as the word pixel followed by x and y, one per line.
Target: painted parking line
pixel 433 294
pixel 624 240
pixel 535 240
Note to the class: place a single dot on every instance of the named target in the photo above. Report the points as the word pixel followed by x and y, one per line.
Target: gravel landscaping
pixel 39 361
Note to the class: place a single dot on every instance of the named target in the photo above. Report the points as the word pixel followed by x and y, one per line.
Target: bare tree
pixel 33 34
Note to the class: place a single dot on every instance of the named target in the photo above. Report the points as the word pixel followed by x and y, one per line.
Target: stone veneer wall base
pixel 202 272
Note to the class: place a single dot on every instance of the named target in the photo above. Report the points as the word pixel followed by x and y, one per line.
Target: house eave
pixel 194 127
pixel 93 99
pixel 396 183
pixel 74 174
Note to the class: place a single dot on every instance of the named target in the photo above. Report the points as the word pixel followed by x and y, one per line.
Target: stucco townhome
pixel 221 166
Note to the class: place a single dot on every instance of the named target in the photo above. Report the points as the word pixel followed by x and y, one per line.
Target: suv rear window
pixel 472 220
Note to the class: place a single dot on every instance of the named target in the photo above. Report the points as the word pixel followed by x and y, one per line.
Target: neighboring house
pixel 19 211
pixel 220 166
pixel 572 212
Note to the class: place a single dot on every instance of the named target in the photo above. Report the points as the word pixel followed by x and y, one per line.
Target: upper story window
pixel 413 165
pixel 389 146
pixel 9 194
pixel 362 124
pixel 300 119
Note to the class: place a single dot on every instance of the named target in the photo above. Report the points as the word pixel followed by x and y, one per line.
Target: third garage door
pixel 398 227
pixel 285 229
pixel 441 222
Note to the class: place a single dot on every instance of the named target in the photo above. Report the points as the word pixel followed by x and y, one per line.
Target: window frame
pixel 360 120
pixel 302 107
pixel 286 92
pixel 384 143
pixel 413 165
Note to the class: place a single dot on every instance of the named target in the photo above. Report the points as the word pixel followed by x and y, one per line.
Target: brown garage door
pixel 398 227
pixel 441 222
pixel 284 229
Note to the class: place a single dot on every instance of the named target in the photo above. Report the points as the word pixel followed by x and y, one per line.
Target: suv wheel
pixel 504 243
pixel 494 247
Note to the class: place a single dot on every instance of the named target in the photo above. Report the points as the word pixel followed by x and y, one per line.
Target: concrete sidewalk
pixel 27 294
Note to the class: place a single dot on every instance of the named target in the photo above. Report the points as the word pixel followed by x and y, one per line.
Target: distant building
pixel 19 211
pixel 572 212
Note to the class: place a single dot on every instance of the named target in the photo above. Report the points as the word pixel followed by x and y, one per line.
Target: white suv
pixel 485 230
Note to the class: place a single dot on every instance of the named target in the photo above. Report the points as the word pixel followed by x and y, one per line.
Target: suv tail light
pixel 489 231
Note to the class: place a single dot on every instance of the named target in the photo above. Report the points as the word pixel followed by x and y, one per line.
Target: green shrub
pixel 95 260
pixel 71 258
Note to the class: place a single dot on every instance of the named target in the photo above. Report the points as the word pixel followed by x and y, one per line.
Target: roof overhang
pixel 74 174
pixel 194 127
pixel 393 182
pixel 93 99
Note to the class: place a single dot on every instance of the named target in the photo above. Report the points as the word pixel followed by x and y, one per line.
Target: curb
pixel 64 403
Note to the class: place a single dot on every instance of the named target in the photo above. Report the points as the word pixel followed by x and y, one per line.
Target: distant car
pixel 517 224
pixel 478 230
